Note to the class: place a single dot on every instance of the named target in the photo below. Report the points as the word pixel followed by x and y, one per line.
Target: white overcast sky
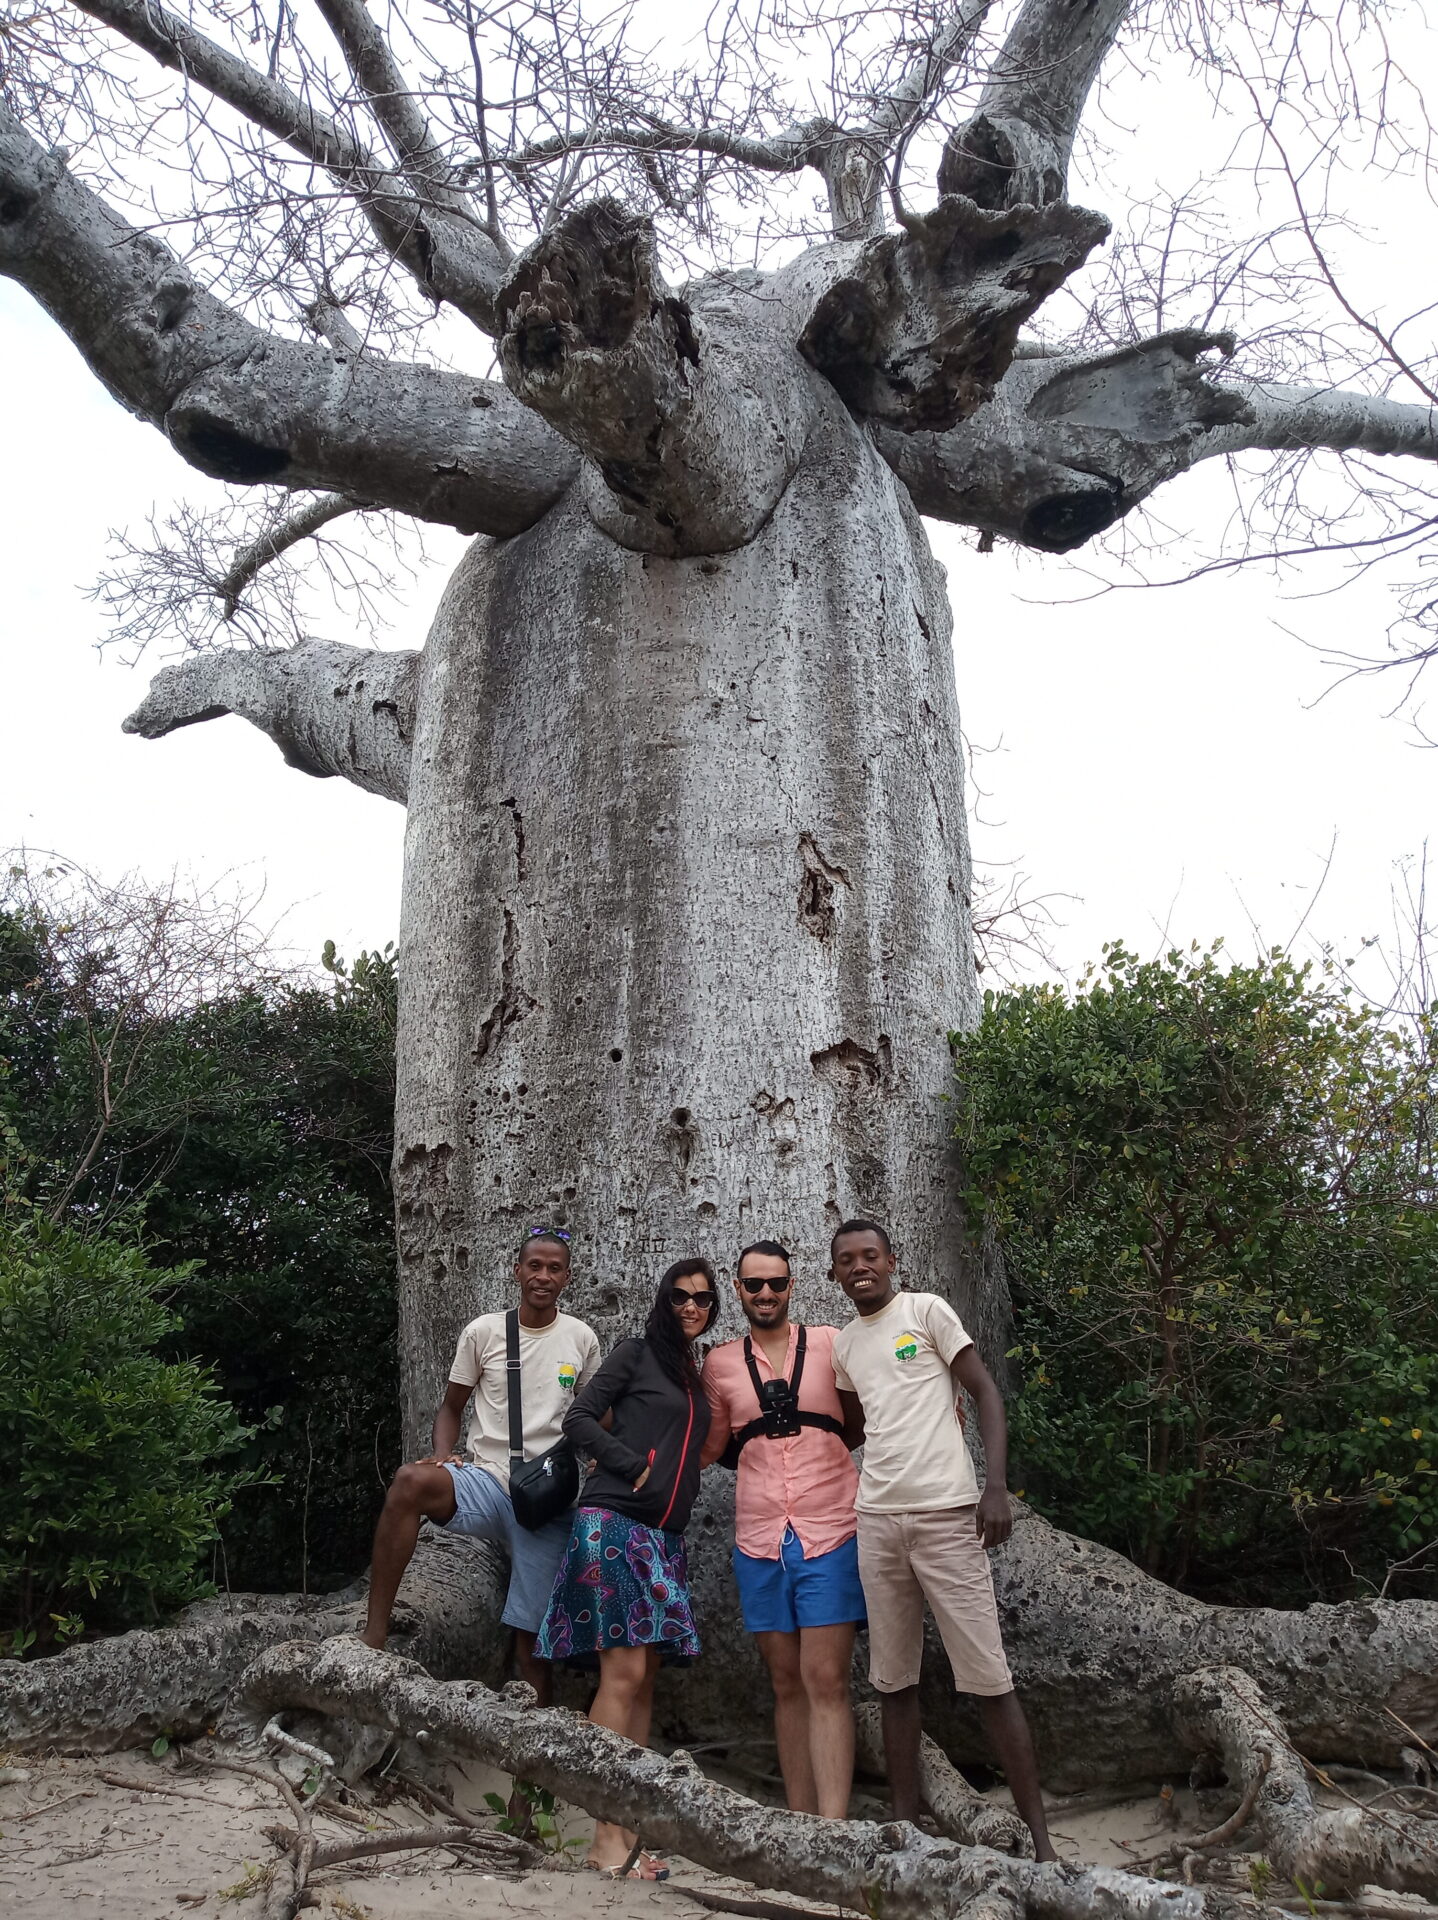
pixel 1177 761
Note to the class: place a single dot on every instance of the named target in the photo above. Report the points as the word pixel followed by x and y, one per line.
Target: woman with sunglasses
pixel 622 1594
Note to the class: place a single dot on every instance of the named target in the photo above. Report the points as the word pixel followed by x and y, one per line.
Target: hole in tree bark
pixel 230 456
pixel 1066 520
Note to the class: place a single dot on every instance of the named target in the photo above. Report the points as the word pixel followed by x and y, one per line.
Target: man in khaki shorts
pixel 925 1530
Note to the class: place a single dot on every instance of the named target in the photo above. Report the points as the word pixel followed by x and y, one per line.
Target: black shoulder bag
pixel 780 1417
pixel 539 1490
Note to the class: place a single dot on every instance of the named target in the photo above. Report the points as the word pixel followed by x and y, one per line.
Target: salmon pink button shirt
pixel 807 1482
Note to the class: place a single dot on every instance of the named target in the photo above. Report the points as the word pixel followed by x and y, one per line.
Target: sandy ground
pixel 75 1844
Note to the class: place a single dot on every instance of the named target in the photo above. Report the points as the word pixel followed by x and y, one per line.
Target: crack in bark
pixel 513 1002
pixel 817 881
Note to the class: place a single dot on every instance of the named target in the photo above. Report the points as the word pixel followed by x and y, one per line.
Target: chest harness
pixel 780 1416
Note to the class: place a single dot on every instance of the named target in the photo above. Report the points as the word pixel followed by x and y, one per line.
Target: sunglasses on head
pixel 681 1299
pixel 751 1284
pixel 548 1233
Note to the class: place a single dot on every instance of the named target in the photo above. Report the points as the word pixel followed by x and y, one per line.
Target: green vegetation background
pixel 1213 1185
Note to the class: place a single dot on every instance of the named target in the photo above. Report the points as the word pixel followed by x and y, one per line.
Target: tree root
pixel 1223 1710
pixel 961 1811
pixel 179 1680
pixel 860 1865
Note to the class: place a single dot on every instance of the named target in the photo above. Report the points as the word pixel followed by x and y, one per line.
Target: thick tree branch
pixel 429 231
pixel 247 406
pixel 863 1867
pixel 1069 444
pixel 786 152
pixel 693 421
pixel 915 329
pixel 1222 1710
pixel 1014 151
pixel 330 709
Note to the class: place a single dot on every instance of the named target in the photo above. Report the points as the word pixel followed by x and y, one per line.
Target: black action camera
pixel 779 1409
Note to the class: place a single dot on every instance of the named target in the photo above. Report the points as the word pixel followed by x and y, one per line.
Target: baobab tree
pixel 687 886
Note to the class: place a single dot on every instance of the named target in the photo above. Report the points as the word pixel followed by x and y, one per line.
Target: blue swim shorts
pixel 482 1509
pixel 780 1596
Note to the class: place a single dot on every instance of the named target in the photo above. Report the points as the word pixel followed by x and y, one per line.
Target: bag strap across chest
pixel 512 1386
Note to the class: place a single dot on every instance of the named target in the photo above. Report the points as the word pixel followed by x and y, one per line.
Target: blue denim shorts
pixel 482 1509
pixel 780 1596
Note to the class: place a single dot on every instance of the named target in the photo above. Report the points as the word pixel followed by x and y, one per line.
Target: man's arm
pixel 720 1425
pixel 853 1418
pixel 993 1521
pixel 447 1422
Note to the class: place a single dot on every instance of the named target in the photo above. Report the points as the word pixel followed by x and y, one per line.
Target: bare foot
pixel 374 1639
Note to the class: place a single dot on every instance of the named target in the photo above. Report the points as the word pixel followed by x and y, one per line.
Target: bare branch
pixel 853 162
pixel 330 709
pixel 1015 149
pixel 248 406
pixel 249 560
pixel 447 253
pixel 371 61
pixel 1071 443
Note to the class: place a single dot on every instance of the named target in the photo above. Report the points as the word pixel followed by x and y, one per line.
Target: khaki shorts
pixel 908 1558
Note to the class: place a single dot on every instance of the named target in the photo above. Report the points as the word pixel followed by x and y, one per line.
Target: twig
pixel 334 1856
pixel 1235 1823
pixel 50 1805
pixel 438 1801
pixel 171 1793
pixel 1411 1734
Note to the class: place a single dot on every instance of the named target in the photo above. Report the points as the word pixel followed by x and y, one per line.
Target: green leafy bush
pixel 240 1125
pixel 1214 1186
pixel 111 1495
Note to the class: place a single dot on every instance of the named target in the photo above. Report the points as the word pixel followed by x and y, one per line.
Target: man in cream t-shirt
pixel 925 1529
pixel 557 1354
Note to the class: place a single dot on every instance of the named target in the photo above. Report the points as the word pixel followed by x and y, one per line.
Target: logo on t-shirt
pixel 568 1374
pixel 906 1347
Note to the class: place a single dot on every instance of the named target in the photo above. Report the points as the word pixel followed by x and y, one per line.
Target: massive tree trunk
pixel 685 915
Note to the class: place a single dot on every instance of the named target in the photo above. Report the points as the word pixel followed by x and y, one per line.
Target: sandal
pixel 646 1867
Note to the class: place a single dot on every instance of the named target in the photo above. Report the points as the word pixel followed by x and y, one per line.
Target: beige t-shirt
pixel 897 1361
pixel 554 1362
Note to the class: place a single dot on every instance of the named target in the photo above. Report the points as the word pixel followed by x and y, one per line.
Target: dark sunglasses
pixel 548 1233
pixel 781 1285
pixel 680 1299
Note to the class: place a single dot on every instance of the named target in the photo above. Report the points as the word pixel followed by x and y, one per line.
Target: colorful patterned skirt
pixel 621 1585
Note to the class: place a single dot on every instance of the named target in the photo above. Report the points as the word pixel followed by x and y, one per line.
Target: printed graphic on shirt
pixel 906 1347
pixel 568 1375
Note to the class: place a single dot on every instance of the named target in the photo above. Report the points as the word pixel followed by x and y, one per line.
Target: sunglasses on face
pixel 680 1299
pixel 752 1285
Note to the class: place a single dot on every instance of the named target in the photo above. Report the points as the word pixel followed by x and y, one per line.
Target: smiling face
pixel 691 1302
pixel 543 1273
pixel 764 1306
pixel 864 1268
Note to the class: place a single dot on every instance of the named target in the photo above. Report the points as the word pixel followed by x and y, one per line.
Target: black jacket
pixel 656 1424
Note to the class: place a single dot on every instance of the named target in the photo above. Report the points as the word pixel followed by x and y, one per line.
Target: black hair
pixel 861 1226
pixel 552 1234
pixel 673 1352
pixel 771 1247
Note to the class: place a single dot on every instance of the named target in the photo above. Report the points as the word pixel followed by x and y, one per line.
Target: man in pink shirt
pixel 775 1414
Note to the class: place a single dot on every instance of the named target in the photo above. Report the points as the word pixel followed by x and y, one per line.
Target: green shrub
pixel 1214 1187
pixel 110 1497
pixel 243 1133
